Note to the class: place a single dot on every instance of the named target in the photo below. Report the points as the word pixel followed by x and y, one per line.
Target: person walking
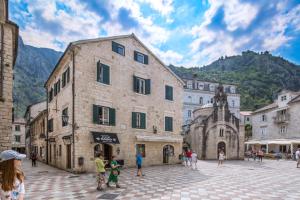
pixel 298 157
pixel 12 185
pixel 221 158
pixel 184 159
pixel 254 154
pixel 194 160
pixel 260 155
pixel 100 169
pixel 189 157
pixel 33 158
pixel 139 162
pixel 114 172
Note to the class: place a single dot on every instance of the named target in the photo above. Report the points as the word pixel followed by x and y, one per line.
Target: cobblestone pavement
pixel 234 180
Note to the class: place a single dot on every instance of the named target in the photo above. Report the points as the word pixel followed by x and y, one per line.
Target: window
pixel 66 77
pixel 233 103
pixel 212 88
pixel 41 152
pixel 283 129
pixel 140 148
pixel 168 123
pixel 141 86
pixel 189 84
pixel 59 150
pixel 17 128
pixel 50 95
pixel 206 87
pixel 104 115
pixel 263 131
pixel 50 125
pixel 189 113
pixel 118 48
pixel 200 86
pixel 139 120
pixel 232 90
pixel 201 100
pixel 212 100
pixel 17 138
pixel 263 118
pixel 56 87
pixel 169 93
pixel 283 98
pixel 247 119
pixel 65 113
pixel 221 132
pixel 141 58
pixel 103 73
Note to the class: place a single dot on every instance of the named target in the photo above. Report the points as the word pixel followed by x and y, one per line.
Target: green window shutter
pixel 63 79
pixel 146 59
pixel 112 116
pixel 135 84
pixel 135 55
pixel 68 75
pixel 148 86
pixel 114 47
pixel 143 120
pixel 96 119
pixel 106 74
pixel 171 93
pixel 166 92
pixel 98 71
pixel 168 124
pixel 58 86
pixel 133 120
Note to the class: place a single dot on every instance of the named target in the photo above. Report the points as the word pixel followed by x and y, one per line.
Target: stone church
pixel 214 128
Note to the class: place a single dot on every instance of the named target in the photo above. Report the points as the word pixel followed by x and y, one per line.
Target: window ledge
pixel 103 84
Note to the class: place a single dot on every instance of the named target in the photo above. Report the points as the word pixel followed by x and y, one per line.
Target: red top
pixel 189 154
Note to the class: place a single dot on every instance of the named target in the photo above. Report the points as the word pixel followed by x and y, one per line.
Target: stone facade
pixel 214 128
pixel 32 112
pixel 82 92
pixel 18 137
pixel 276 126
pixel 8 54
pixel 198 93
pixel 38 129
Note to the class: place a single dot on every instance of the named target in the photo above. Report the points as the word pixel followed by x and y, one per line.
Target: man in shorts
pixel 139 162
pixel 298 157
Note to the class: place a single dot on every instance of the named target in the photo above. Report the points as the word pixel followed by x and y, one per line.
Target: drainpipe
pixel 2 62
pixel 73 106
pixel 47 131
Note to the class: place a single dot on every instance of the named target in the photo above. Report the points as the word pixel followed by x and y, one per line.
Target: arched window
pixel 201 100
pixel 221 132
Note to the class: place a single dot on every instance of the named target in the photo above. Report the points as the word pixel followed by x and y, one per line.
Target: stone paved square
pixel 236 180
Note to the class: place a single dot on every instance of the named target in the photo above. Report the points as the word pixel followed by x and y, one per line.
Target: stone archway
pixel 221 147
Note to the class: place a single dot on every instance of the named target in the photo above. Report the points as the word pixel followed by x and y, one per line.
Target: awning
pixel 105 138
pixel 146 138
pixel 280 141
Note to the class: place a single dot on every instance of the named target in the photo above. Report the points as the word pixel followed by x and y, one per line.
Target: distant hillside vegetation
pixel 259 76
pixel 33 66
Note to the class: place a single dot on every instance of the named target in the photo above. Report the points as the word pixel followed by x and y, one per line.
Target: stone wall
pixel 7 58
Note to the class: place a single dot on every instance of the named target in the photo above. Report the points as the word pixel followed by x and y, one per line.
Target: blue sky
pixel 188 33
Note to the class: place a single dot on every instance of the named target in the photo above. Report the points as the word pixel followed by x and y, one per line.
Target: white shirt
pixel 15 193
pixel 297 154
pixel 194 157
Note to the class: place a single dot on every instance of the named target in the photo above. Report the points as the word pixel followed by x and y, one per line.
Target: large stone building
pixel 18 135
pixel 275 127
pixel 113 95
pixel 215 128
pixel 198 93
pixel 38 129
pixel 8 52
pixel 32 112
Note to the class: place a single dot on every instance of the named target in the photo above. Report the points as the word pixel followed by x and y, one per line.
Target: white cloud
pixel 164 7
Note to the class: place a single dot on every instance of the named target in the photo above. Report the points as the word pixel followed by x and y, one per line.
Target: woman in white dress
pixel 221 157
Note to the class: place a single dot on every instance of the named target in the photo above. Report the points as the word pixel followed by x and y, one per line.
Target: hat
pixel 11 154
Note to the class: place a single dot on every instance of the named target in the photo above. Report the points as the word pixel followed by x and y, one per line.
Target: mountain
pixel 32 68
pixel 258 76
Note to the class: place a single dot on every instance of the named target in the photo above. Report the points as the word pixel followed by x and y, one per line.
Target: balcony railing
pixel 282 118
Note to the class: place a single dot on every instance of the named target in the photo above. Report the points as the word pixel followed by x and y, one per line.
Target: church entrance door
pixel 221 146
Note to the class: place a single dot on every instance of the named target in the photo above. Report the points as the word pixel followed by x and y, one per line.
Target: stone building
pixel 214 128
pixel 32 112
pixel 8 52
pixel 38 129
pixel 18 135
pixel 275 127
pixel 113 95
pixel 198 93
